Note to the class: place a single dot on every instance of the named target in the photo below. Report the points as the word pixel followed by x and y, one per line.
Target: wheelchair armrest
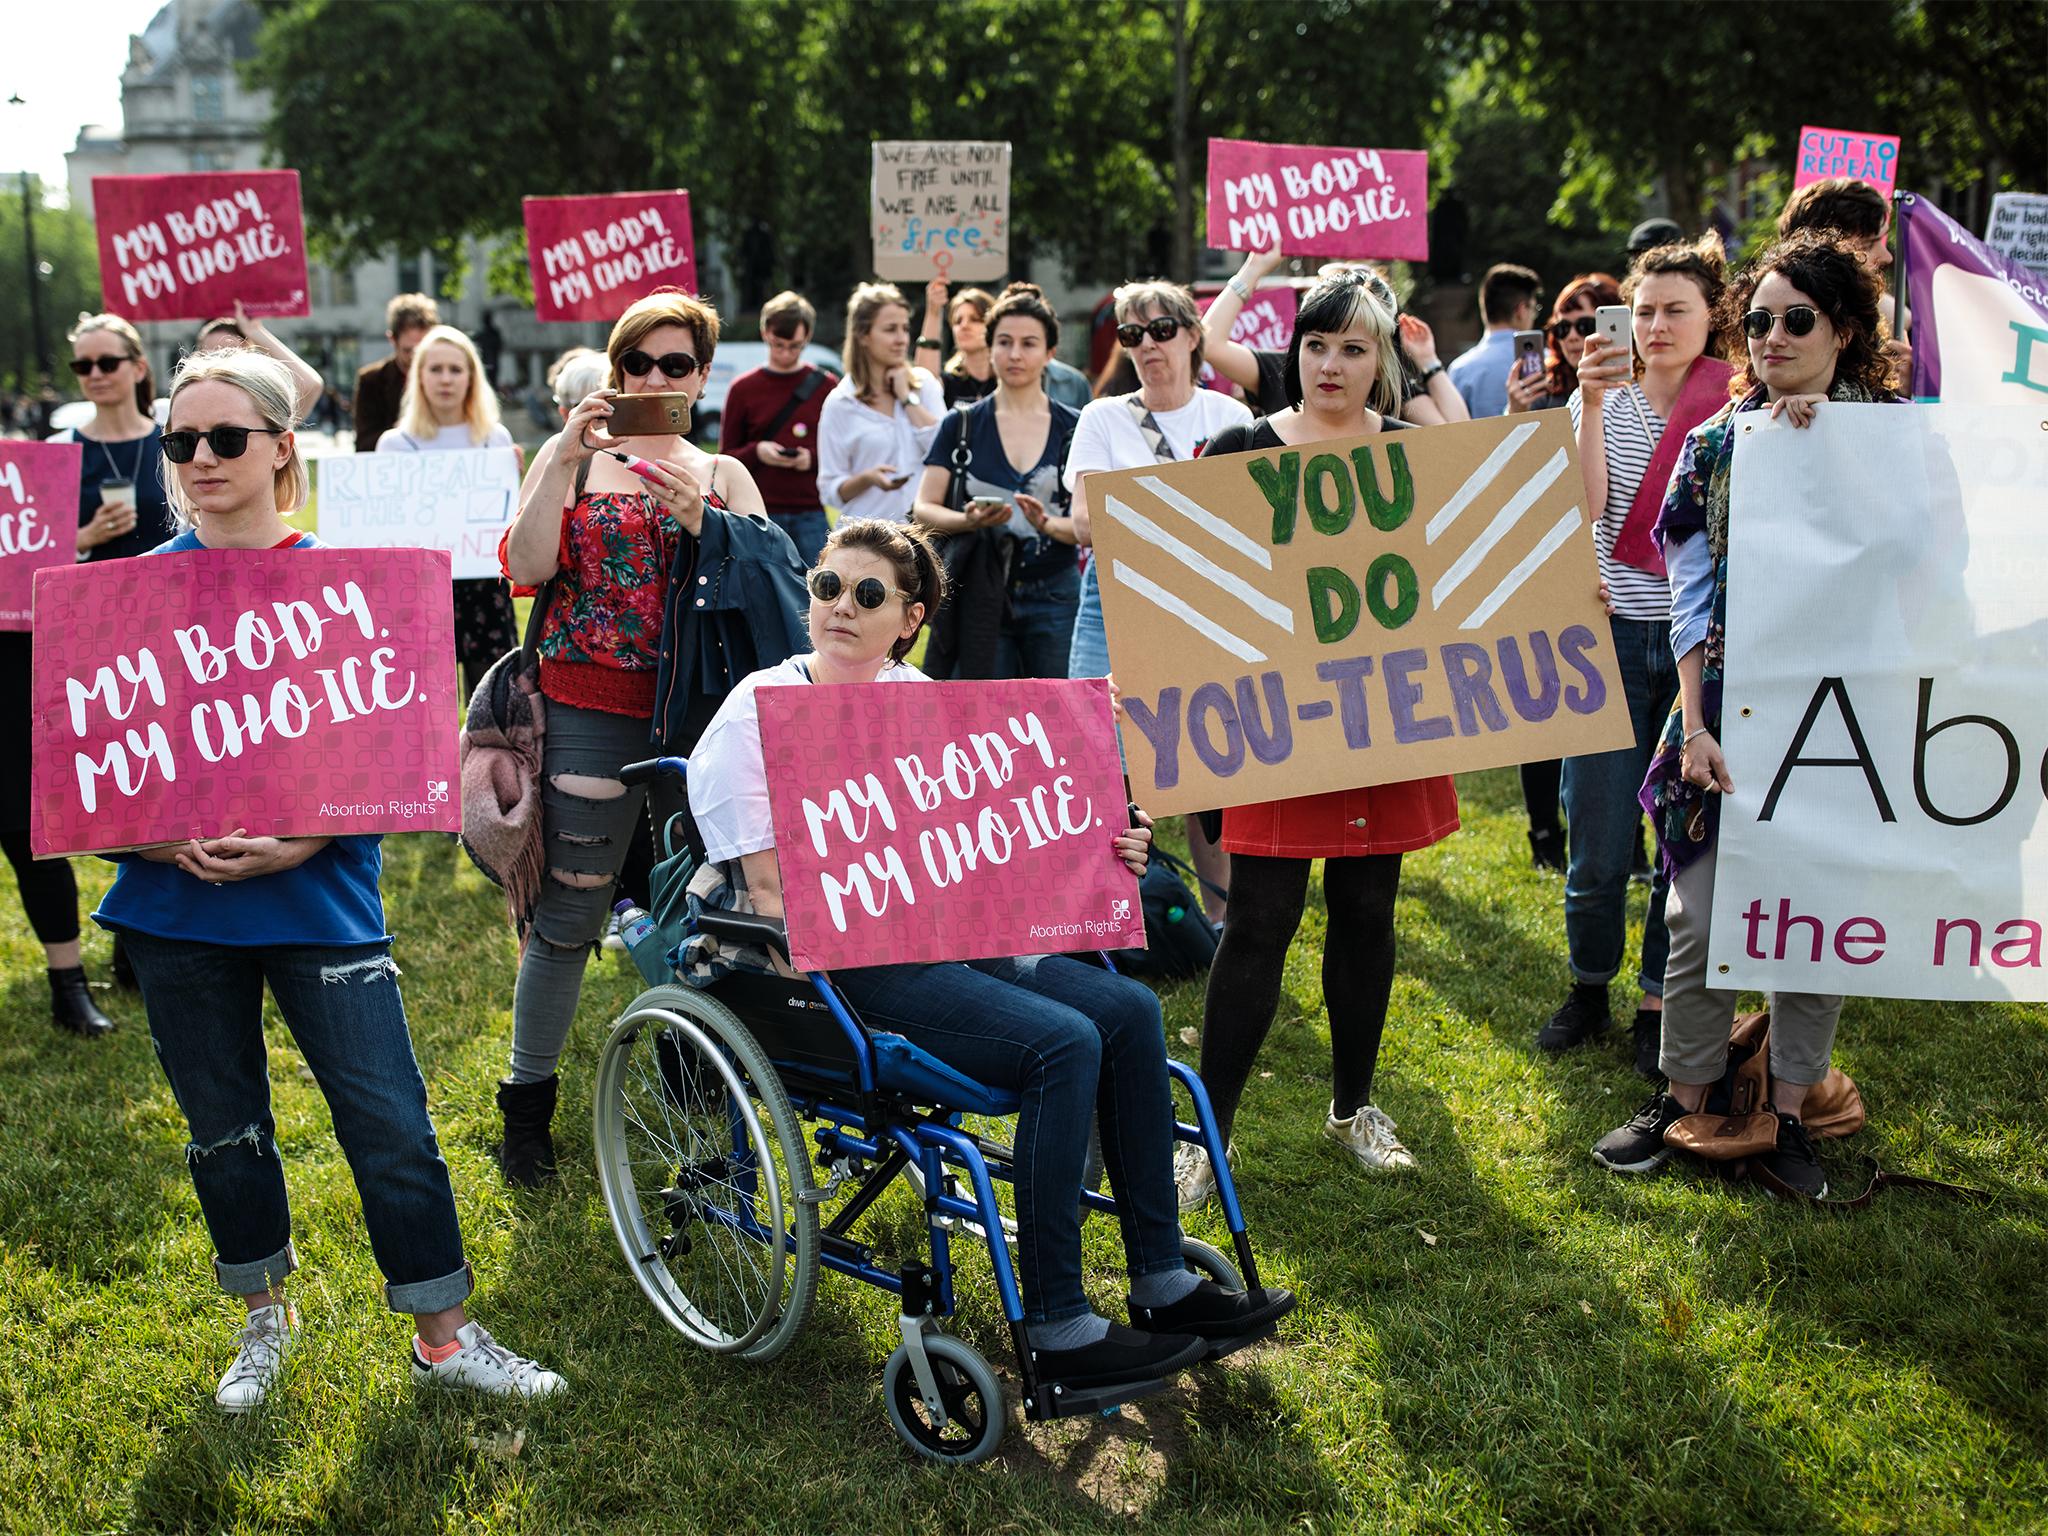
pixel 746 928
pixel 645 772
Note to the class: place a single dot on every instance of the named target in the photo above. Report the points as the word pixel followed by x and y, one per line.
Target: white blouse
pixel 853 437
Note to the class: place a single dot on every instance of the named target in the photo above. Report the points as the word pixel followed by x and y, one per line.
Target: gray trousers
pixel 1697 1017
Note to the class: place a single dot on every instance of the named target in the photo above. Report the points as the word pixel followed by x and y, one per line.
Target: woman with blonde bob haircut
pixel 879 421
pixel 274 394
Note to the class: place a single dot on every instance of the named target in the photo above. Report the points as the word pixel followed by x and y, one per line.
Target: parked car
pixel 732 359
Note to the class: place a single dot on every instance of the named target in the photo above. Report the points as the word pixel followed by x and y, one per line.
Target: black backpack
pixel 1179 939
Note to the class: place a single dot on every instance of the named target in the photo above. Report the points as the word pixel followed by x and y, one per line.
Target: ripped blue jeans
pixel 342 1006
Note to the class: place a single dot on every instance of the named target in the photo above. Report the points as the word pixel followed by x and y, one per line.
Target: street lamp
pixel 32 267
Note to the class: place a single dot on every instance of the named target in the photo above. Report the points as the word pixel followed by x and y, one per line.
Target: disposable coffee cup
pixel 118 493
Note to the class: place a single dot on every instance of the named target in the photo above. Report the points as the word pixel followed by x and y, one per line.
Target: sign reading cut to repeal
pixel 1354 612
pixel 947 821
pixel 1867 157
pixel 281 691
pixel 941 208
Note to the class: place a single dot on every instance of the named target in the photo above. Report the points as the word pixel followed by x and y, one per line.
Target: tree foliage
pixel 66 247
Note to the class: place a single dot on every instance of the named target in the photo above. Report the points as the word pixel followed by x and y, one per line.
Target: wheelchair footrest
pixel 1057 1401
pixel 1224 1347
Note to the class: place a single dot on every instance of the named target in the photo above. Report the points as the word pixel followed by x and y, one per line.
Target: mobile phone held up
pixel 1528 353
pixel 661 414
pixel 1611 324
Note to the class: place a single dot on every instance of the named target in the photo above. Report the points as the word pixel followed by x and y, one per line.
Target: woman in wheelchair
pixel 1070 1039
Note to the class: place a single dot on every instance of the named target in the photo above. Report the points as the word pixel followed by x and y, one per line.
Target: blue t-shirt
pixel 990 473
pixel 332 898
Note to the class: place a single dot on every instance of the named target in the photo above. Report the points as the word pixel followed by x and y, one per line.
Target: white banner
pixel 461 501
pixel 1886 708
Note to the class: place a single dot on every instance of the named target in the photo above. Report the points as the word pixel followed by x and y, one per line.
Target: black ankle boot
pixel 71 1005
pixel 1547 849
pixel 527 1154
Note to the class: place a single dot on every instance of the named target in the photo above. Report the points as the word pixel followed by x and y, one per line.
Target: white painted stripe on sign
pixel 1207 521
pixel 1550 544
pixel 1480 479
pixel 1157 595
pixel 1265 607
pixel 1503 523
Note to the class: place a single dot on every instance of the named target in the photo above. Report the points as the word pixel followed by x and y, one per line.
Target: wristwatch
pixel 926 341
pixel 1431 372
pixel 1236 284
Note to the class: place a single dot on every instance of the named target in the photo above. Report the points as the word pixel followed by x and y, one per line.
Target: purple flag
pixel 1979 322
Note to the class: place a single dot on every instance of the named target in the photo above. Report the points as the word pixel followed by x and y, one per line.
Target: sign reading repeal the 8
pixel 461 501
pixel 187 247
pixel 591 257
pixel 1354 612
pixel 947 821
pixel 38 519
pixel 281 691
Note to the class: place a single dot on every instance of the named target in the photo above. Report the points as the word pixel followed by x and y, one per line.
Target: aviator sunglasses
pixel 1799 321
pixel 675 365
pixel 826 585
pixel 84 365
pixel 1161 328
pixel 226 442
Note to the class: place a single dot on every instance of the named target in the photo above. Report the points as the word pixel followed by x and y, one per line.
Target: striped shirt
pixel 1631 430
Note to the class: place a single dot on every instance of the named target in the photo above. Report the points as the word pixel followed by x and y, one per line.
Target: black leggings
pixel 1540 784
pixel 48 892
pixel 1358 971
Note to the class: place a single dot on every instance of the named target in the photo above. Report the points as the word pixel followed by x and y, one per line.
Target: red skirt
pixel 1387 818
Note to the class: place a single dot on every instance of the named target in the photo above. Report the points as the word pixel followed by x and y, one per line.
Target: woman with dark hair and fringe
pixel 970 373
pixel 1809 310
pixel 1342 378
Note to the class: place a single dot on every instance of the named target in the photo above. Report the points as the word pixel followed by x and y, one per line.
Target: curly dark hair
pixel 1702 260
pixel 1839 283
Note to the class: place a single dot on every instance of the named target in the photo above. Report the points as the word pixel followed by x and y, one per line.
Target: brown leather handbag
pixel 1735 1124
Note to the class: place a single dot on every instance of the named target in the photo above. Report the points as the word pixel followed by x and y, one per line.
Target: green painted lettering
pixel 1407 591
pixel 1332 602
pixel 1385 515
pixel 1327 469
pixel 1280 486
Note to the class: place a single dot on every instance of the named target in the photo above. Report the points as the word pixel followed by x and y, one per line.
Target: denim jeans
pixel 342 1005
pixel 1601 814
pixel 1038 640
pixel 806 531
pixel 1071 1041
pixel 1088 655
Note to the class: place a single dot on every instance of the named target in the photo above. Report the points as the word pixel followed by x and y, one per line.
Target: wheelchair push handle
pixel 634 774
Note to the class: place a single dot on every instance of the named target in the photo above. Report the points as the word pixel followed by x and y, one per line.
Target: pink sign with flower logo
pixel 38 519
pixel 291 693
pixel 947 821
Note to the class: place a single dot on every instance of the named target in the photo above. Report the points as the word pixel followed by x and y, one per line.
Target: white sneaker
pixel 482 1364
pixel 614 942
pixel 1369 1137
pixel 259 1356
pixel 1193 1179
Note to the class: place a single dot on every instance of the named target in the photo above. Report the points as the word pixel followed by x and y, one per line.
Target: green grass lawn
pixel 1508 1340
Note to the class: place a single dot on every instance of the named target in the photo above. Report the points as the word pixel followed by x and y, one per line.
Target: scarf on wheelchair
pixel 701 960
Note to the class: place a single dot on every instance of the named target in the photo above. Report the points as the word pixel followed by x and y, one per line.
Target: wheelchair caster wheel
pixel 972 1397
pixel 1210 1263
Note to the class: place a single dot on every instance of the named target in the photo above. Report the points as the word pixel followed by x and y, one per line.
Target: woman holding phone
pixel 993 473
pixel 603 523
pixel 879 420
pixel 1631 415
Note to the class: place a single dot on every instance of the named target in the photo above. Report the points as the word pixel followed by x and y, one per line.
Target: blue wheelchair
pixel 743 1131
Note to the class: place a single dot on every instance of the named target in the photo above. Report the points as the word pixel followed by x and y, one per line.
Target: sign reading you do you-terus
pixel 1356 612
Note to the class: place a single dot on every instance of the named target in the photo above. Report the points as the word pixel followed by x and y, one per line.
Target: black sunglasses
pixel 1585 325
pixel 1162 328
pixel 826 585
pixel 675 365
pixel 84 365
pixel 226 442
pixel 1800 320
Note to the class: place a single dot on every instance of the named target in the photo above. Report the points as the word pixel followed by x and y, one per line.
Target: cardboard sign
pixel 460 501
pixel 1871 157
pixel 941 209
pixel 1316 201
pixel 2018 229
pixel 947 821
pixel 38 519
pixel 1354 612
pixel 282 691
pixel 591 257
pixel 1886 707
pixel 187 247
pixel 1980 322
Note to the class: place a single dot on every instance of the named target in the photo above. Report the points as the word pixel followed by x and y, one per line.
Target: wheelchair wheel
pixel 975 1407
pixel 704 1168
pixel 1210 1263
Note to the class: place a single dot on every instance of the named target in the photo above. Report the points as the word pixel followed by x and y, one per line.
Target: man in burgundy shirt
pixel 771 423
pixel 381 386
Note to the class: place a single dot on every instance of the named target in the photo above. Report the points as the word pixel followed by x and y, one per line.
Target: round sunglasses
pixel 826 584
pixel 1800 320
pixel 226 442
pixel 1161 328
pixel 675 365
pixel 84 365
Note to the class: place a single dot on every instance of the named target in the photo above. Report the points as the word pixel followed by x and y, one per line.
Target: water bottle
pixel 643 941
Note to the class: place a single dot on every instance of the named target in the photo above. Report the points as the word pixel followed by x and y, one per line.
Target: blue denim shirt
pixel 1689 567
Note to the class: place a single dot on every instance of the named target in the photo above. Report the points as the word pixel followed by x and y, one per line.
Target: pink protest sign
pixel 947 821
pixel 1871 157
pixel 593 256
pixel 282 691
pixel 1315 201
pixel 187 247
pixel 1266 324
pixel 38 519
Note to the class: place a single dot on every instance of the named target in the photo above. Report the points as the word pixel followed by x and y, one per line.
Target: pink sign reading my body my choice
pixel 1870 157
pixel 1315 201
pixel 947 821
pixel 293 693
pixel 593 256
pixel 186 247
pixel 38 519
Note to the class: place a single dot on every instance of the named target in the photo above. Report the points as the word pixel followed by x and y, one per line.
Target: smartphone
pixel 1613 322
pixel 1528 352
pixel 984 503
pixel 650 415
pixel 897 484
